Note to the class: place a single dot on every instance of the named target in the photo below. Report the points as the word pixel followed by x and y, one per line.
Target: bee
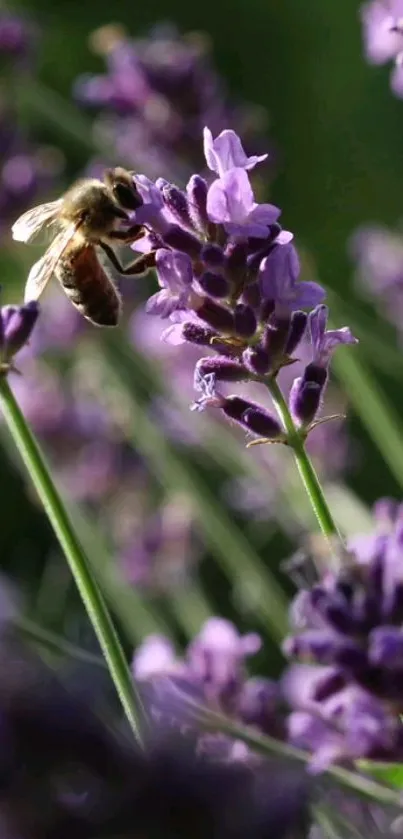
pixel 88 219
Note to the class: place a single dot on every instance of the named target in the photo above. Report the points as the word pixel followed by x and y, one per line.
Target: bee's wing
pixel 42 271
pixel 27 226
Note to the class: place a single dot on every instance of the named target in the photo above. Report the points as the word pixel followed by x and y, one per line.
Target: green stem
pixel 76 558
pixel 38 635
pixel 305 467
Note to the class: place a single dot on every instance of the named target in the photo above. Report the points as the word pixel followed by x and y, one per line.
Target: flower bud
pixel 306 394
pixel 245 320
pixel 223 369
pixel 252 417
pixel 197 194
pixel 235 258
pixel 276 337
pixel 181 240
pixel 196 334
pixel 216 285
pixel 256 360
pixel 17 323
pixel 296 332
pixel 176 201
pixel 212 256
pixel 217 316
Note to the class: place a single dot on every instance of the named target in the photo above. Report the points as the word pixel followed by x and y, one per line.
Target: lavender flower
pixel 156 96
pixel 349 705
pixel 383 36
pixel 229 278
pixel 212 671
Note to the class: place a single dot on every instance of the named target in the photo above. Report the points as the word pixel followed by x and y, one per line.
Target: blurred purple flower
pixel 353 633
pixel 383 36
pixel 155 98
pixel 17 36
pixel 378 254
pixel 212 674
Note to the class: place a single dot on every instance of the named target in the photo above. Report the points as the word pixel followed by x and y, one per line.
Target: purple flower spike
pixel 226 152
pixel 325 342
pixel 175 277
pixel 278 276
pixel 17 323
pixel 230 201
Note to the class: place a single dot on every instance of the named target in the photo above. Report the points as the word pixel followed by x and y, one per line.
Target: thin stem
pixel 304 464
pixel 38 635
pixel 76 558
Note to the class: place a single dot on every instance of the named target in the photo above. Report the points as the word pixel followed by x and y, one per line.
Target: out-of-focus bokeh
pixel 179 519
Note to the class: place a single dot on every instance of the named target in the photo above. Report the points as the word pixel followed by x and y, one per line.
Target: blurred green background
pixel 337 131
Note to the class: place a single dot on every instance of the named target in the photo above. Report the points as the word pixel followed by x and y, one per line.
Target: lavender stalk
pixel 79 565
pixel 304 464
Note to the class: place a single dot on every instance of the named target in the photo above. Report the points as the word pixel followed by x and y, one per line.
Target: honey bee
pixel 88 219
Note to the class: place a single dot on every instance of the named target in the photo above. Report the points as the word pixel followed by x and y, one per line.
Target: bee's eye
pixel 127 196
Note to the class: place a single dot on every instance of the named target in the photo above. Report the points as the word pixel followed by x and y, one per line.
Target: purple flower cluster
pixel 347 693
pixel 155 97
pixel 229 282
pixel 341 697
pixel 382 22
pixel 212 671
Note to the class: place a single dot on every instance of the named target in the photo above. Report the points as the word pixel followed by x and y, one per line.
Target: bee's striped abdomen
pixel 88 286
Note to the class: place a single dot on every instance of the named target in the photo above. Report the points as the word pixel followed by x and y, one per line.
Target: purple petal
pixel 332 339
pixel 226 152
pixel 163 303
pixel 230 198
pixel 278 273
pixel 155 656
pixel 308 295
pixel 317 325
pixel 284 237
pixel 174 270
pixel 265 214
pixel 381 43
pixel 173 335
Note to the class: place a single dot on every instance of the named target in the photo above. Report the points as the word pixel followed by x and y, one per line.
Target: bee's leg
pixel 130 235
pixel 140 265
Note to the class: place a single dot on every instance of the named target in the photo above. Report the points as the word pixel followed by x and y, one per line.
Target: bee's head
pixel 121 185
